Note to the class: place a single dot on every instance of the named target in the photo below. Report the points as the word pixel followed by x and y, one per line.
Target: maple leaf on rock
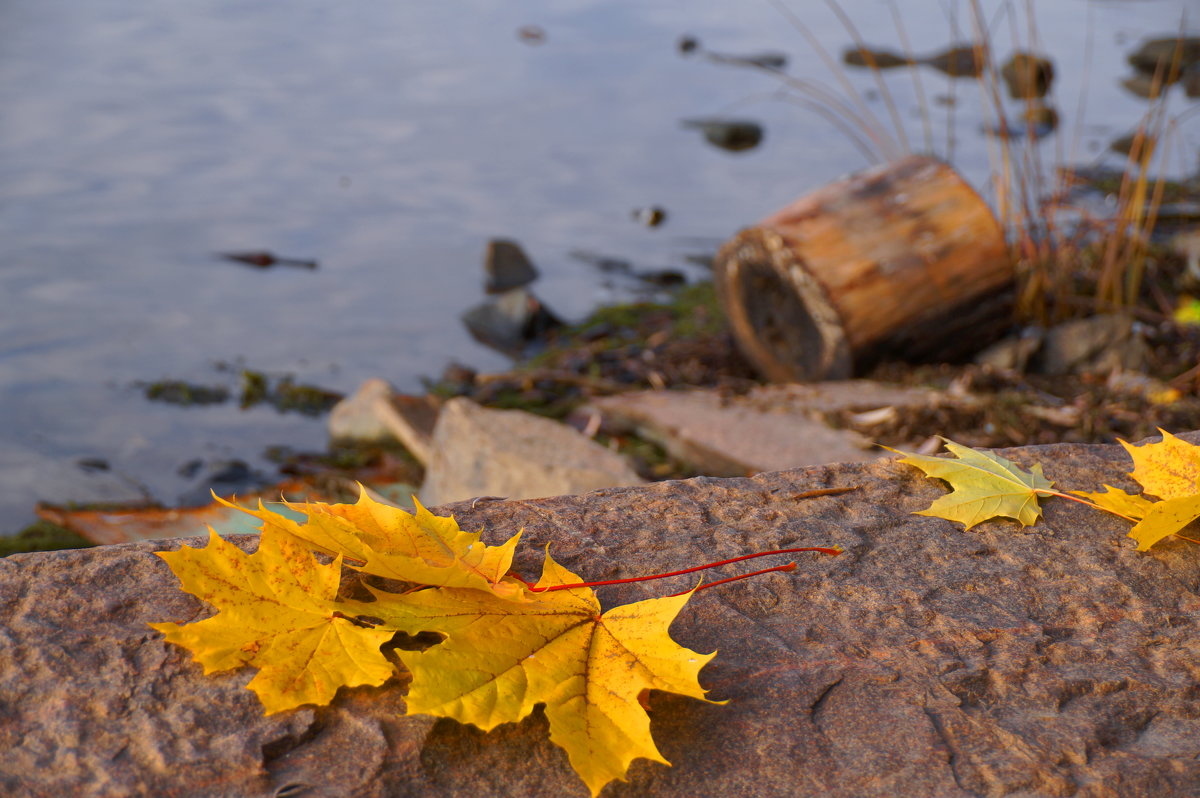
pixel 1168 469
pixel 501 657
pixel 276 612
pixel 507 646
pixel 1165 518
pixel 985 485
pixel 1117 501
pixel 386 541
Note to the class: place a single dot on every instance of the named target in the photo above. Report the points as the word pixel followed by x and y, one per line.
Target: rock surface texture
pixel 925 661
pixel 478 451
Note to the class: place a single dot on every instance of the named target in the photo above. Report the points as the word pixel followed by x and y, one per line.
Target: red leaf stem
pixel 789 567
pixel 824 550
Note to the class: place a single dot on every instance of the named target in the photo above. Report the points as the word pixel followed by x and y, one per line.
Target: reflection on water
pixel 390 142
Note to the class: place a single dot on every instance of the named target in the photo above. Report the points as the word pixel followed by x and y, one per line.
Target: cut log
pixel 904 260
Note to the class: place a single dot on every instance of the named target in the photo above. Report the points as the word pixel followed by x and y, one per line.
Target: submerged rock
pixel 262 259
pixel 926 660
pixel 1160 55
pixel 771 60
pixel 532 34
pixel 181 392
pixel 514 317
pixel 1142 85
pixel 1027 75
pixel 651 215
pixel 506 266
pixel 874 59
pixel 734 135
pixel 1142 143
pixel 963 61
pixel 225 478
pixel 511 321
pixel 1037 120
pixel 625 268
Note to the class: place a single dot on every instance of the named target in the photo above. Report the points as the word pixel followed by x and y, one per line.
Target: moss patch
pixel 42 536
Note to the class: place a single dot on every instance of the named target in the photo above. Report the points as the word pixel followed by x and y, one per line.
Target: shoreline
pixel 649 346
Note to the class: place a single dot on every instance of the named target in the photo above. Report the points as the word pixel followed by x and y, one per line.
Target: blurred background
pixel 389 142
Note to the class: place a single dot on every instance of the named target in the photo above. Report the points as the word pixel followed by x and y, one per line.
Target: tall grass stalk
pixel 1122 264
pixel 1053 261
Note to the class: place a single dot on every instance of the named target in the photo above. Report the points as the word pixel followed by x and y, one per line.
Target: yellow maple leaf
pixel 387 541
pixel 1115 500
pixel 984 484
pixel 502 657
pixel 1168 469
pixel 1165 518
pixel 276 612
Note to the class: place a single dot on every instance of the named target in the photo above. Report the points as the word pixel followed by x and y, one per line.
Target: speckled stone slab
pixel 926 660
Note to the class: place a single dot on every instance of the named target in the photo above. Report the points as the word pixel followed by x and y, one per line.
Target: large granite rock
pixel 925 661
pixel 479 451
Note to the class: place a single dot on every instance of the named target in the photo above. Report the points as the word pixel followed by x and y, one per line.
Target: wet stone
pixel 507 267
pixel 1027 75
pixel 1161 54
pixel 734 135
pixel 224 478
pixel 510 321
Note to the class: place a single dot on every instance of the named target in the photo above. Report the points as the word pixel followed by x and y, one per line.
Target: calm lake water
pixel 390 141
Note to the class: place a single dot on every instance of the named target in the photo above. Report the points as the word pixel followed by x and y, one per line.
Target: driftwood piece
pixel 904 260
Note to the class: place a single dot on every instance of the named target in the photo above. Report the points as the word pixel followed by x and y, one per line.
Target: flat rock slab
pixel 740 435
pixel 832 396
pixel 925 661
pixel 479 451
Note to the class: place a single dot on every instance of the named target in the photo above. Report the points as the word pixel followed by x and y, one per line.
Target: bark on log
pixel 904 260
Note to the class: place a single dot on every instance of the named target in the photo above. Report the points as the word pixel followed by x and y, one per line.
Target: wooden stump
pixel 904 260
